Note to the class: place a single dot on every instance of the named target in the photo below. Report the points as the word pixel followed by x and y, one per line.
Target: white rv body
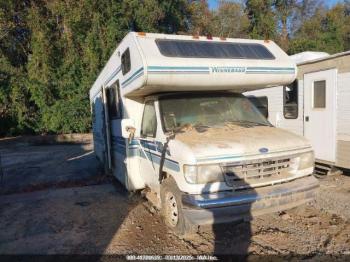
pixel 326 127
pixel 150 76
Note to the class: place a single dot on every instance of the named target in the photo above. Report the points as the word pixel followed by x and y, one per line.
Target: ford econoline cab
pixel 170 119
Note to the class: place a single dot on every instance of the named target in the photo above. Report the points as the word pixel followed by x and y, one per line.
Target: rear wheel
pixel 172 212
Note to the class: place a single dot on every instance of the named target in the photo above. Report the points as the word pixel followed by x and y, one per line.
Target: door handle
pixel 307 119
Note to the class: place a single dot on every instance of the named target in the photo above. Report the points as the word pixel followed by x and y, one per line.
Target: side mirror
pixel 128 128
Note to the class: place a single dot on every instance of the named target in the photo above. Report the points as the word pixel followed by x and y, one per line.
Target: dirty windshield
pixel 209 110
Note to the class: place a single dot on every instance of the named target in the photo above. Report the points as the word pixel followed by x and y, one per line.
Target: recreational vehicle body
pixel 316 106
pixel 169 117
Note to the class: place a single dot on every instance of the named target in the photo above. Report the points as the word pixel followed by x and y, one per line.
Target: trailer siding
pixel 275 97
pixel 342 63
pixel 275 107
pixel 343 120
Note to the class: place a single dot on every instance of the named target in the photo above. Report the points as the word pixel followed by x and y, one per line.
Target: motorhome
pixel 169 118
pixel 316 105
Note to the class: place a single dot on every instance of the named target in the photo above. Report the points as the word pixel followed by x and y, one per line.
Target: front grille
pixel 257 173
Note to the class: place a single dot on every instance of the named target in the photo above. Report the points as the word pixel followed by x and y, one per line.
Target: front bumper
pixel 229 206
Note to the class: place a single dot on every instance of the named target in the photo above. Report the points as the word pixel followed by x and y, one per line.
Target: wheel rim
pixel 172 210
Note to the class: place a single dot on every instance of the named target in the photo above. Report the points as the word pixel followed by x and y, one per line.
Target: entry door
pixel 319 112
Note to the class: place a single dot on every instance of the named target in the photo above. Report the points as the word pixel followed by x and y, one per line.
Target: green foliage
pixel 326 30
pixel 262 19
pixel 52 51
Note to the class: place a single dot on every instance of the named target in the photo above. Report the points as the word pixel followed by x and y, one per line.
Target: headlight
pixel 307 160
pixel 203 174
pixel 303 161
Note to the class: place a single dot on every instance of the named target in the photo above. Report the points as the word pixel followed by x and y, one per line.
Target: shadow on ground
pixel 27 168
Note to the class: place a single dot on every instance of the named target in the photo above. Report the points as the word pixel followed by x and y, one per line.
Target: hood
pixel 239 140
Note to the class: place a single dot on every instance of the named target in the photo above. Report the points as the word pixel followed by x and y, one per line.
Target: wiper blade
pixel 246 122
pixel 187 127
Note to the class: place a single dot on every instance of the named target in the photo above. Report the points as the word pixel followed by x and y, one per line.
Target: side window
pixel 261 103
pixel 290 100
pixel 149 121
pixel 126 63
pixel 319 94
pixel 114 101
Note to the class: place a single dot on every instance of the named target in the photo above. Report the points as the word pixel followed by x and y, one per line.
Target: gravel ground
pixel 104 219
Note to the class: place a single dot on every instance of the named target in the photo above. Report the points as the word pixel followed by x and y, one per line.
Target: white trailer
pixel 169 117
pixel 316 105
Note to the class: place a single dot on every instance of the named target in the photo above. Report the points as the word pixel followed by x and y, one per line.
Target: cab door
pixel 149 156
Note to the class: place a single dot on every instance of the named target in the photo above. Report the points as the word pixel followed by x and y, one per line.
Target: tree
pixel 284 10
pixel 201 18
pixel 230 20
pixel 262 19
pixel 326 30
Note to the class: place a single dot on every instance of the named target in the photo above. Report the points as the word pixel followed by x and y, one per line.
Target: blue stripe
pixel 118 144
pixel 217 158
pixel 113 74
pixel 269 72
pixel 168 163
pixel 178 72
pixel 134 76
pixel 206 70
pixel 270 68
pixel 178 67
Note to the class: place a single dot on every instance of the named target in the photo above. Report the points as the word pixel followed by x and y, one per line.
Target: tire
pixel 171 210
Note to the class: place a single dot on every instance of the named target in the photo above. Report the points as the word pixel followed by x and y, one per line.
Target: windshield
pixel 211 110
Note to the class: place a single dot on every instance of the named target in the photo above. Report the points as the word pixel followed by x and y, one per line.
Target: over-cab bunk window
pixel 206 49
pixel 290 100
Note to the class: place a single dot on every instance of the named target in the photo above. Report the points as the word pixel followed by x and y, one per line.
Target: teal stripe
pixel 270 72
pixel 218 158
pixel 168 163
pixel 270 68
pixel 113 74
pixel 178 67
pixel 132 77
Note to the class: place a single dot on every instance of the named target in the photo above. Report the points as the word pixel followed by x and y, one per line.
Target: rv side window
pixel 114 101
pixel 261 103
pixel 149 121
pixel 126 64
pixel 319 94
pixel 290 100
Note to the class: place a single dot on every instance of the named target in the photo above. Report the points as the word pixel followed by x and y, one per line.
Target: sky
pixel 214 3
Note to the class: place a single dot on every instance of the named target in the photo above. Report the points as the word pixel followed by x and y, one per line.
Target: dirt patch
pixel 105 219
pixel 85 218
pixel 237 139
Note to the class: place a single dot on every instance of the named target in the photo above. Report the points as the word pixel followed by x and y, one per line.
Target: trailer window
pixel 261 103
pixel 149 121
pixel 126 63
pixel 290 100
pixel 319 94
pixel 205 49
pixel 114 101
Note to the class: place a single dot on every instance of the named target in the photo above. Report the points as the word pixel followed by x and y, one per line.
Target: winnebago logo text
pixel 227 69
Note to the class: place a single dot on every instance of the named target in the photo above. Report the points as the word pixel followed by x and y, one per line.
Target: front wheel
pixel 172 212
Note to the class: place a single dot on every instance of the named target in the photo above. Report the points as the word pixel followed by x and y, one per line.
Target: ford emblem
pixel 263 150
